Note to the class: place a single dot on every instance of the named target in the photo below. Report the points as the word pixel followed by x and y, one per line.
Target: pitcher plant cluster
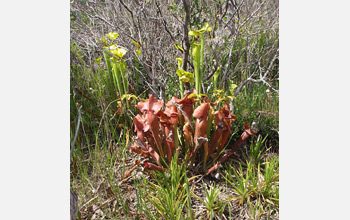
pixel 192 129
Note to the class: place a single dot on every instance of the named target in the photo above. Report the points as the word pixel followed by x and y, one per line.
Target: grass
pixel 168 193
pixel 212 202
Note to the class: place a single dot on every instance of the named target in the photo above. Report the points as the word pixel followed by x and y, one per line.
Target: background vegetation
pixel 241 49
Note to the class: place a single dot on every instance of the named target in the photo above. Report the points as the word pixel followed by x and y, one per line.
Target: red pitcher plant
pixel 184 128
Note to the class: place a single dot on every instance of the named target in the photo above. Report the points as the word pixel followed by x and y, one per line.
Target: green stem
pixel 176 140
pixel 118 79
pixel 179 65
pixel 110 74
pixel 202 55
pixel 182 88
pixel 196 64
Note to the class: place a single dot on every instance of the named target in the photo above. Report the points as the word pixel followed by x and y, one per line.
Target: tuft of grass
pixel 167 194
pixel 243 182
pixel 256 152
pixel 256 186
pixel 270 189
pixel 212 201
pixel 256 210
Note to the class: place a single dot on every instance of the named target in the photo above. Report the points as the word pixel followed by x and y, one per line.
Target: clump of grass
pixel 256 209
pixel 256 184
pixel 256 152
pixel 212 201
pixel 270 189
pixel 241 182
pixel 167 194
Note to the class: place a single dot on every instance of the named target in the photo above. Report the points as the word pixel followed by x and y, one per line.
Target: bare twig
pixel 186 40
pixel 261 79
pixel 165 23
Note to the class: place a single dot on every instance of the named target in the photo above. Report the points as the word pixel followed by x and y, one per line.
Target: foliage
pixel 212 201
pixel 258 182
pixel 111 74
pixel 168 193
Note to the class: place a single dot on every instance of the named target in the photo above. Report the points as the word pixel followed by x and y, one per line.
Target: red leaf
pixel 151 166
pixel 223 125
pixel 152 104
pixel 245 135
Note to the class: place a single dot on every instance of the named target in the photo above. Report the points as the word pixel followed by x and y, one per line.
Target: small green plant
pixel 242 182
pixel 184 76
pixel 212 201
pixel 271 176
pixel 168 193
pixel 256 151
pixel 258 181
pixel 255 210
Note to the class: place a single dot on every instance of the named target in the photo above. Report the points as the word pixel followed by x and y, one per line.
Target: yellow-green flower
pixel 137 44
pixel 129 97
pixel 185 76
pixel 117 51
pixel 201 31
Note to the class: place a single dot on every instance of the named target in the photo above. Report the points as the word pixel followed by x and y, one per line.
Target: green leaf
pixel 98 60
pixel 177 46
pixel 112 35
pixel 172 7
